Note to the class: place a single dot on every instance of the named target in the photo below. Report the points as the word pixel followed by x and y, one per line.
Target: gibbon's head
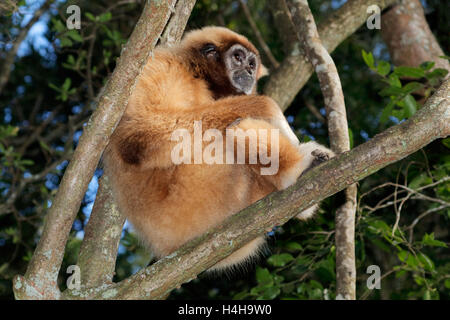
pixel 227 61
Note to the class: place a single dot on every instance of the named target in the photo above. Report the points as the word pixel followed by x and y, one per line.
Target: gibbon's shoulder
pixel 166 82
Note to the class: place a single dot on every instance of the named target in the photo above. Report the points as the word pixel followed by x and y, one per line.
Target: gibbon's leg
pixel 294 160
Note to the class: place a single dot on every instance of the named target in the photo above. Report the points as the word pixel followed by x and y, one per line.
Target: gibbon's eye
pixel 252 64
pixel 238 55
pixel 209 50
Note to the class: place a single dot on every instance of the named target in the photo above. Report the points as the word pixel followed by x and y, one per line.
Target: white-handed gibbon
pixel 209 77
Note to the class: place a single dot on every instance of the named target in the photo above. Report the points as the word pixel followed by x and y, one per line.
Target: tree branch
pixel 98 251
pixel 155 282
pixel 40 280
pixel 330 85
pixel 177 23
pixel 285 82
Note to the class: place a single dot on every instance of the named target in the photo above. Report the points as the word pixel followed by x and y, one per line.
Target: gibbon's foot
pixel 319 157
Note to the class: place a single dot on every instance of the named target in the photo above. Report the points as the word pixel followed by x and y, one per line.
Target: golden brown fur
pixel 171 204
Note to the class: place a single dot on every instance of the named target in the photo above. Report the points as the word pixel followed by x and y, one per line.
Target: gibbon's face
pixel 235 67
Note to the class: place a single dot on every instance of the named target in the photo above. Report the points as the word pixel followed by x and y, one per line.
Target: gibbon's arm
pixel 146 142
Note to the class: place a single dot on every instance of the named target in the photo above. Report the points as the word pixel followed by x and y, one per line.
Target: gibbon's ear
pixel 262 72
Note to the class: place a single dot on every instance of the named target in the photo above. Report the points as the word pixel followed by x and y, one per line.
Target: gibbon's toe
pixel 320 156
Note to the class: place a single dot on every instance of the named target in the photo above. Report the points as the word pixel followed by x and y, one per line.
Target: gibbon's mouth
pixel 243 81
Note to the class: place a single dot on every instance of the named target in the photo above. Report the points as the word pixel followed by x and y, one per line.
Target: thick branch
pixel 330 85
pixel 42 273
pixel 178 21
pixel 98 252
pixel 285 82
pixel 155 282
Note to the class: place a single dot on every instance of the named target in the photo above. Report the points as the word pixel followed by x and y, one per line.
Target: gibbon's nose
pixel 249 70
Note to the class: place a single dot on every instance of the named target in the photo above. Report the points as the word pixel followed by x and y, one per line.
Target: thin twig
pixel 275 64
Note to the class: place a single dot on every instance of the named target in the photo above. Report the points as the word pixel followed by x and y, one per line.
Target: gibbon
pixel 210 77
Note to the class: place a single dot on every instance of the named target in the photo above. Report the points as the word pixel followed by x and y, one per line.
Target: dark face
pixel 236 67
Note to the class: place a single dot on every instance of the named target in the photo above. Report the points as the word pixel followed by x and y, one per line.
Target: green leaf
pixel 90 16
pixel 350 137
pixel 402 255
pixel 387 112
pixel 65 42
pixel 410 105
pixel 412 72
pixel 379 226
pixel 400 273
pixel 51 85
pixel 419 181
pixel 391 91
pixel 44 146
pixel 437 73
pixel 270 293
pixel 447 283
pixel 446 142
pixel 427 65
pixel 394 80
pixel 412 87
pixel 426 261
pixel 368 59
pixel 27 162
pixel 74 35
pixel 58 26
pixel 263 276
pixel 66 84
pixel 428 239
pixel 280 260
pixel 294 246
pixel 383 68
pixel 105 17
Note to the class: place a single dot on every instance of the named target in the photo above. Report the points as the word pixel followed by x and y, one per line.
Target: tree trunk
pixel 408 37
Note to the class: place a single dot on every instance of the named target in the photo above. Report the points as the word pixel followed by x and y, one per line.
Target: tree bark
pixel 177 23
pixel 98 251
pixel 40 280
pixel 330 85
pixel 408 37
